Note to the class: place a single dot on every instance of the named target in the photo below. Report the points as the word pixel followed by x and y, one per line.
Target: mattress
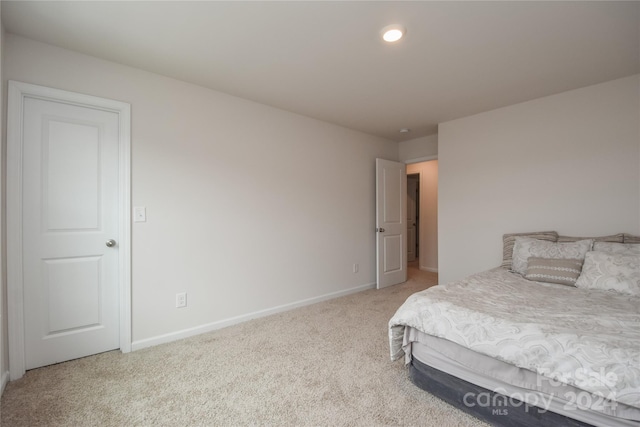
pixel 568 337
pixel 517 384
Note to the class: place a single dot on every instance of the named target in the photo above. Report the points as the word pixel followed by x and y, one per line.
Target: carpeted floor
pixel 321 365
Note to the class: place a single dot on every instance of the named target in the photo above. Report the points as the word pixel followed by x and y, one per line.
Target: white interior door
pixel 391 227
pixel 412 187
pixel 69 231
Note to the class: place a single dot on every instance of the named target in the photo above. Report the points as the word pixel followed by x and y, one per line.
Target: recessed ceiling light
pixel 393 33
pixel 405 130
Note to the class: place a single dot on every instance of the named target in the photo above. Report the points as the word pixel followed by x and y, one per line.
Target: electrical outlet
pixel 181 299
pixel 356 268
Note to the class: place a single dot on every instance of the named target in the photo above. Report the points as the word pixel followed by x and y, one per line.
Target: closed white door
pixel 69 231
pixel 391 228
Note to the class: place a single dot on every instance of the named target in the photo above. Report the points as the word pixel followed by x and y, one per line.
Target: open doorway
pixel 426 241
pixel 413 219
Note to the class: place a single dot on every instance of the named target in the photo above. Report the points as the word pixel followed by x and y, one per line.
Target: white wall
pixel 568 162
pixel 422 148
pixel 249 208
pixel 428 226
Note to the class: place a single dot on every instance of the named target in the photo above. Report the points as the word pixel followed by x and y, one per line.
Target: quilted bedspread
pixel 589 339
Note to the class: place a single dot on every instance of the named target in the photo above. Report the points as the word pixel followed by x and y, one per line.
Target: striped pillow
pixel 614 238
pixel 617 248
pixel 629 238
pixel 554 270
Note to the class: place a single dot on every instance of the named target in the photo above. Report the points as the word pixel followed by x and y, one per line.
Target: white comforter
pixel 588 339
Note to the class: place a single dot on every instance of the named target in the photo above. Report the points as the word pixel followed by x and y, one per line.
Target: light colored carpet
pixel 321 365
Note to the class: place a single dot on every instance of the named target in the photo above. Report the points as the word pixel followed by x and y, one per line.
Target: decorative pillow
pixel 508 240
pixel 551 270
pixel 628 238
pixel 617 238
pixel 611 272
pixel 617 248
pixel 526 247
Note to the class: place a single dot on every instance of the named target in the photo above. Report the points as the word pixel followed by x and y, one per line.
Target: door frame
pixel 408 162
pixel 18 91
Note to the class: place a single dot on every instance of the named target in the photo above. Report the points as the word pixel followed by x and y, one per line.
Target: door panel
pixel 392 253
pixel 70 170
pixel 73 291
pixel 391 228
pixel 70 209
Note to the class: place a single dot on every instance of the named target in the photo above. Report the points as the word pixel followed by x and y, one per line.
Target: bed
pixel 516 351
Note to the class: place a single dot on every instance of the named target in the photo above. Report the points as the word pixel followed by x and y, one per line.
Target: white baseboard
pixel 433 270
pixel 185 333
pixel 3 381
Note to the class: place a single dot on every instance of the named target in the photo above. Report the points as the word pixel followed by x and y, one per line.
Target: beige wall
pixel 249 208
pixel 568 162
pixel 422 148
pixel 428 257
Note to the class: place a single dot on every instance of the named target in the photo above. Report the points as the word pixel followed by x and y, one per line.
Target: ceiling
pixel 325 59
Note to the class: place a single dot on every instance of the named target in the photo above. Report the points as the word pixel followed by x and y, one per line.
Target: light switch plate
pixel 140 214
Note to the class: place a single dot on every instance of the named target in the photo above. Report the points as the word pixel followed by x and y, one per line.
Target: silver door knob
pixel 111 243
pixel 381 230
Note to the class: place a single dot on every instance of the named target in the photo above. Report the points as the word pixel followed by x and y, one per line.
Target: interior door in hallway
pixel 69 226
pixel 391 226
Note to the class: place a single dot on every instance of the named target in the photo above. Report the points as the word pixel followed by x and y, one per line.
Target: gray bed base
pixel 505 412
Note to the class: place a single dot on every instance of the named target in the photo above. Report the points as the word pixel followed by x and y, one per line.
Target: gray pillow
pixel 552 270
pixel 526 247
